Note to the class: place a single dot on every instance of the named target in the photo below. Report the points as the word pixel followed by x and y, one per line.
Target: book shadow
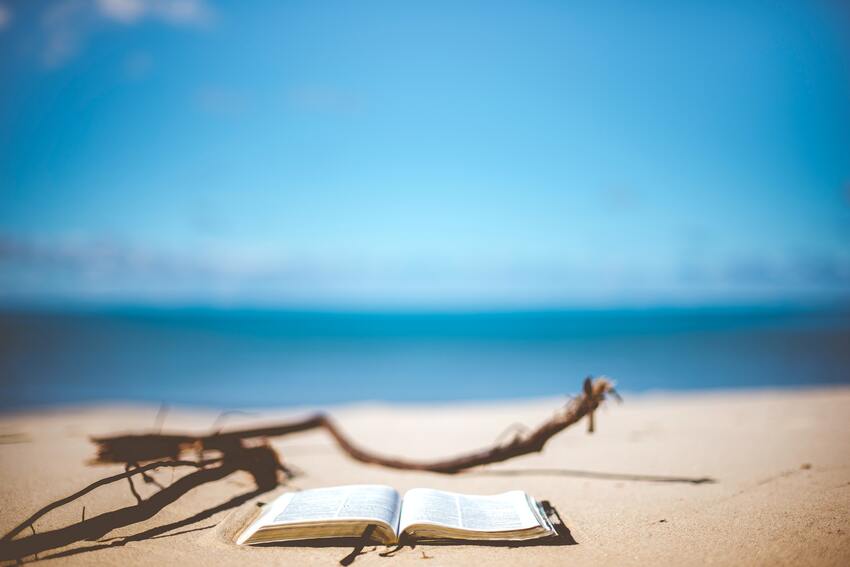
pixel 562 537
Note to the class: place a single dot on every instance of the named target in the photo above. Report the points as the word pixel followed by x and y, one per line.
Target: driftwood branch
pixel 138 448
pixel 531 442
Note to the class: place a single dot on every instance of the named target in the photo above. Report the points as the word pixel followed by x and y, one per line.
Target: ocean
pixel 237 358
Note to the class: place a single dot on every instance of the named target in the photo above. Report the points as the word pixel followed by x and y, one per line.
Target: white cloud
pixel 67 24
pixel 138 65
pixel 124 11
pixel 182 11
pixel 221 101
pixel 318 98
pixel 172 11
pixel 5 16
pixel 87 266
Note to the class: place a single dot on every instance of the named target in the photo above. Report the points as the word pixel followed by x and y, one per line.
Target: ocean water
pixel 249 358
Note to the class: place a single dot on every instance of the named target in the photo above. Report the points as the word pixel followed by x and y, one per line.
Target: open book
pixel 381 512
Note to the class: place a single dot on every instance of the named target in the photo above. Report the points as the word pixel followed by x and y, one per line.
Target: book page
pixel 355 502
pixel 501 512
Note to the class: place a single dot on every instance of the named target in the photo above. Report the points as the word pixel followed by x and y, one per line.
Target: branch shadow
pixel 594 475
pixel 161 531
pixel 260 462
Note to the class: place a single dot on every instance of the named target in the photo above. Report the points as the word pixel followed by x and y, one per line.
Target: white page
pixel 356 502
pixel 501 512
pixel 424 505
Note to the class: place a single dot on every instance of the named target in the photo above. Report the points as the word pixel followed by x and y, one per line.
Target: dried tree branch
pixel 136 448
pixel 532 442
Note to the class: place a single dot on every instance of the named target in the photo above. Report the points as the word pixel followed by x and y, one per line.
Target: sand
pixel 780 461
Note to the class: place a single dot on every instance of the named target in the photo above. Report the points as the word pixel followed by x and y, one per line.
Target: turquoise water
pixel 239 358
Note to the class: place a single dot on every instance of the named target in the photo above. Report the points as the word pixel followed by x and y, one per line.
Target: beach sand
pixel 780 461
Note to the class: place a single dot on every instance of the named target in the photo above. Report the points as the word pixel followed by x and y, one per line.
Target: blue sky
pixel 424 153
